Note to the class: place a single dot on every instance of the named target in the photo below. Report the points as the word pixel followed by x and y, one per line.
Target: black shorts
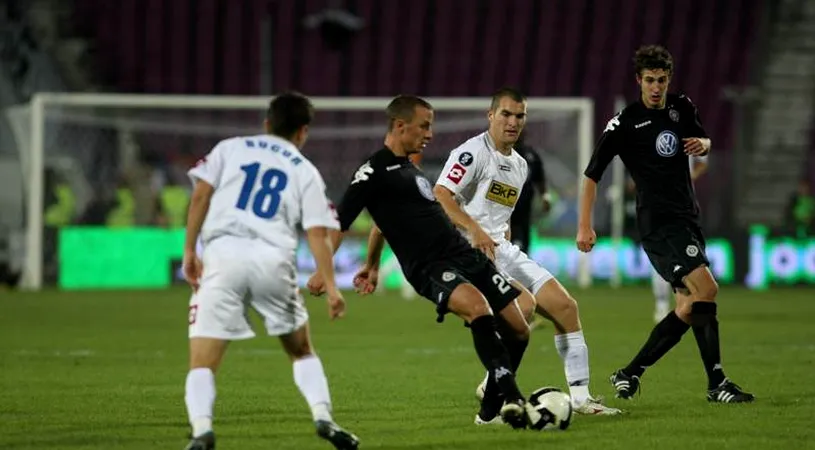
pixel 676 250
pixel 437 280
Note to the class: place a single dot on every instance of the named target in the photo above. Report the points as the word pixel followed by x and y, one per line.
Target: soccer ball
pixel 555 407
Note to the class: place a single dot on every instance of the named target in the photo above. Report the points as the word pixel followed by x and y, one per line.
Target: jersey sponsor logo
pixel 465 159
pixel 640 125
pixel 502 194
pixel 667 143
pixel 424 188
pixel 393 167
pixel 673 114
pixel 456 173
pixel 613 123
pixel 363 173
pixel 692 250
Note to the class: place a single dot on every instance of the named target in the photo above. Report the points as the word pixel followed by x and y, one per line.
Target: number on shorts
pixel 267 198
pixel 500 283
pixel 193 313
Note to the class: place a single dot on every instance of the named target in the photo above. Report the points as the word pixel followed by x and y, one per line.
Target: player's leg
pixel 276 298
pixel 216 316
pixel 698 307
pixel 662 295
pixel 310 379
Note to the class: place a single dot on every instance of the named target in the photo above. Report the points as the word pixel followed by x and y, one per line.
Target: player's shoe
pixel 595 407
pixel 497 420
pixel 333 433
pixel 729 392
pixel 204 442
pixel 515 413
pixel 479 390
pixel 626 386
pixel 660 311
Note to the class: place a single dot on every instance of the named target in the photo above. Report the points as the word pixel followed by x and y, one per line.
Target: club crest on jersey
pixel 503 194
pixel 465 159
pixel 667 143
pixel 673 114
pixel 448 277
pixel 424 188
pixel 692 250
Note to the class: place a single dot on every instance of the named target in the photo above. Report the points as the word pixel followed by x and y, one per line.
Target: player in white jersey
pixel 250 195
pixel 661 288
pixel 478 188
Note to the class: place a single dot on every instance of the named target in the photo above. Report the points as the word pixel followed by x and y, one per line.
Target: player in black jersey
pixel 654 137
pixel 435 258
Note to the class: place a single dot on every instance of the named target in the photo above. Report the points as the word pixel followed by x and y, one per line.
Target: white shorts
pixel 515 264
pixel 241 273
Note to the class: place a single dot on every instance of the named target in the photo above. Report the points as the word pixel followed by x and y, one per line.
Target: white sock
pixel 200 396
pixel 310 379
pixel 662 290
pixel 575 355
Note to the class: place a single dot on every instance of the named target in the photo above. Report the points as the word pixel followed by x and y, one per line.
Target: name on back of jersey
pixel 274 148
pixel 502 194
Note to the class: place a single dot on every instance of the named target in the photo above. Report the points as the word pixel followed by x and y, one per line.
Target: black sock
pixel 665 335
pixel 493 398
pixel 706 331
pixel 494 356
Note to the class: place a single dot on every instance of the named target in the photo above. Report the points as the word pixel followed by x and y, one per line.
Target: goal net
pixel 106 189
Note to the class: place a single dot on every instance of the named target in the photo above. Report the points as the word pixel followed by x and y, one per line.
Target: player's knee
pixel 708 290
pixel 468 303
pixel 702 313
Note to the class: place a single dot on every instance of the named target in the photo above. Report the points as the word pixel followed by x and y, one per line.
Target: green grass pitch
pixel 106 370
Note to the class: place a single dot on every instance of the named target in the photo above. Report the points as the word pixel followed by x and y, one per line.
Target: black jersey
pixel 401 202
pixel 535 177
pixel 649 142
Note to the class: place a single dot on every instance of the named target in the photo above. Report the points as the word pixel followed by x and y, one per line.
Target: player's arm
pixel 508 233
pixel 604 152
pixel 699 143
pixel 205 176
pixel 460 172
pixel 367 278
pixel 698 168
pixel 538 179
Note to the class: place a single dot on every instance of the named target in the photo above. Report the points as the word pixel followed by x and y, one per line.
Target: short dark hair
pixel 404 107
pixel 506 91
pixel 653 57
pixel 288 112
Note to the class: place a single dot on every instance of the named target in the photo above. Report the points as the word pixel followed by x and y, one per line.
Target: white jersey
pixel 264 189
pixel 486 183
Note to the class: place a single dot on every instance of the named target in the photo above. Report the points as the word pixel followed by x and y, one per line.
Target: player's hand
pixel 483 242
pixel 586 238
pixel 366 280
pixel 695 146
pixel 316 284
pixel 193 267
pixel 336 304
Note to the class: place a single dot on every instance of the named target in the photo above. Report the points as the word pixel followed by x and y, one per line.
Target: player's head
pixel 507 116
pixel 288 116
pixel 410 123
pixel 654 66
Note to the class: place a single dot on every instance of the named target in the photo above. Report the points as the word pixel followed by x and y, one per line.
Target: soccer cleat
pixel 729 392
pixel 479 390
pixel 626 386
pixel 497 420
pixel 593 407
pixel 333 433
pixel 514 413
pixel 204 442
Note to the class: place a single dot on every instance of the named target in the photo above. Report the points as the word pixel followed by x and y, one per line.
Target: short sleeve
pixel 695 127
pixel 606 149
pixel 357 195
pixel 463 167
pixel 316 209
pixel 210 168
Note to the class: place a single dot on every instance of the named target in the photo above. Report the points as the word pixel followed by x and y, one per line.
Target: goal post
pixel 67 125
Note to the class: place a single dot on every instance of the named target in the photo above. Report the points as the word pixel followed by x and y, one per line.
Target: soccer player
pixel 662 289
pixel 654 137
pixel 436 260
pixel 478 189
pixel 250 195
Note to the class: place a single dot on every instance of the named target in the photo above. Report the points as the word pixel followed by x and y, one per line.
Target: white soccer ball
pixel 555 407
